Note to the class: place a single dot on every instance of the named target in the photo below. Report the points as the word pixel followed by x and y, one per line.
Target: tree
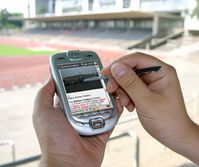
pixel 196 10
pixel 6 22
pixel 3 17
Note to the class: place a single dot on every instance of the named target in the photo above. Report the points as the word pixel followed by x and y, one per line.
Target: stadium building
pixel 143 21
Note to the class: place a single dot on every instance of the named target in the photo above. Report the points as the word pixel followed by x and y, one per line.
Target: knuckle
pixel 125 100
pixel 141 54
pixel 172 70
pixel 130 107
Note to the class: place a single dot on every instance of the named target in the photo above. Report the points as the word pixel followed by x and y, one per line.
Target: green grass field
pixel 7 50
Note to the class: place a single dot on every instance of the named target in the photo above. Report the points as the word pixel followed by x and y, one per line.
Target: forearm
pixel 191 146
pixel 188 144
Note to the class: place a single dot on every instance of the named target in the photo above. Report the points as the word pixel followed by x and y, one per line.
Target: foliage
pixel 6 22
pixel 196 10
pixel 7 50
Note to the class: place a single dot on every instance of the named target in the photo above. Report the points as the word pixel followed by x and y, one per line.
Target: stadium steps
pixel 156 41
pixel 119 38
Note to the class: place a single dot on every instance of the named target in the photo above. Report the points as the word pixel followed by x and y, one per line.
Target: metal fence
pixel 132 134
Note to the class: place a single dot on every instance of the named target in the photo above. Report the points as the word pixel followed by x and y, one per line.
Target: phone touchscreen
pixel 84 97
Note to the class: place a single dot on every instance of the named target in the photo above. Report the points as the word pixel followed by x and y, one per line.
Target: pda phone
pixel 87 105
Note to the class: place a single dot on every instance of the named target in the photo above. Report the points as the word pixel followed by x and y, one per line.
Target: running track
pixel 23 70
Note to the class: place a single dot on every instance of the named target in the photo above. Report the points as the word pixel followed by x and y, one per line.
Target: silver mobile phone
pixel 87 105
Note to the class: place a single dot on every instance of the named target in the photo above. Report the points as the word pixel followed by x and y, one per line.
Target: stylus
pixel 137 71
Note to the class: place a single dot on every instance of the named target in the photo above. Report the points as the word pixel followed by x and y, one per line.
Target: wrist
pixel 49 161
pixel 69 161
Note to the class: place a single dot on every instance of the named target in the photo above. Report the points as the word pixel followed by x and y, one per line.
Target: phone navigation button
pixel 97 123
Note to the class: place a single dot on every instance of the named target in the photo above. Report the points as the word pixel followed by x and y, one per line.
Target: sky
pixel 19 6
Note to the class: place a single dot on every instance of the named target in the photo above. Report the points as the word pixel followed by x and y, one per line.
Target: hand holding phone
pixel 87 105
pixel 60 143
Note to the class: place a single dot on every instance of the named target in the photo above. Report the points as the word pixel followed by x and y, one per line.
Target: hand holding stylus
pixel 158 100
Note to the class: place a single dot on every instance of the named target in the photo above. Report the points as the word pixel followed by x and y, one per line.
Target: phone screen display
pixel 84 97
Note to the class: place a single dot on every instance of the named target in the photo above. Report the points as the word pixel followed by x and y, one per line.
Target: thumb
pixel 44 98
pixel 131 83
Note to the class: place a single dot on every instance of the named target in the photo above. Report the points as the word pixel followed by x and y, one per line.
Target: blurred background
pixel 32 30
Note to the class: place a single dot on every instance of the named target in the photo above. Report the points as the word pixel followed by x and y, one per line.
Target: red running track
pixel 23 71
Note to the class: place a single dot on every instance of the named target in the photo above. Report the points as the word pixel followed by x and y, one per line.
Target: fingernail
pixel 118 69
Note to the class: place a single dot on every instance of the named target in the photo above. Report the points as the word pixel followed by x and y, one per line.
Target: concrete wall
pixel 163 25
